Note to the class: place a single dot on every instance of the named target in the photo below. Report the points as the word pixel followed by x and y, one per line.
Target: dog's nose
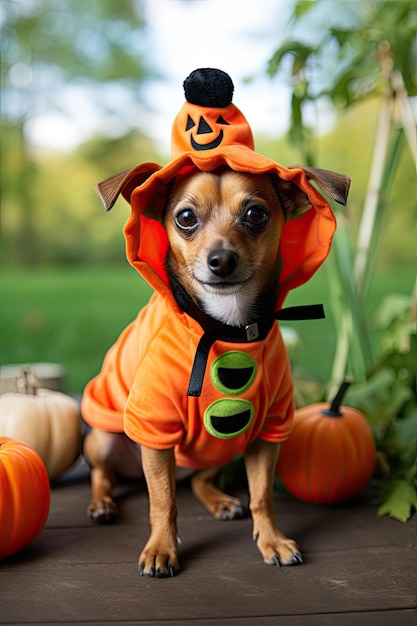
pixel 222 262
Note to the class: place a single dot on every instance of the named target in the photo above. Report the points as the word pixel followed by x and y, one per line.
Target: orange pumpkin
pixel 24 495
pixel 330 455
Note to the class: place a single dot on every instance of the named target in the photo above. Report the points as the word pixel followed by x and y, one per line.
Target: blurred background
pixel 89 89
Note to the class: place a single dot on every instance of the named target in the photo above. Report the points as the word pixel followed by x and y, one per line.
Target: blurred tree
pixel 46 43
pixel 48 48
pixel 71 226
pixel 74 226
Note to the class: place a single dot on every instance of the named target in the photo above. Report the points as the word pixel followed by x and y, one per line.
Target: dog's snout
pixel 222 262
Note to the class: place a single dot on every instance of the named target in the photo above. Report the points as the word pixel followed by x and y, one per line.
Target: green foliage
pixel 347 59
pixel 375 48
pixel 388 399
pixel 400 499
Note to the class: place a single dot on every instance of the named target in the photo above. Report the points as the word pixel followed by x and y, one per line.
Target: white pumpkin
pixel 48 421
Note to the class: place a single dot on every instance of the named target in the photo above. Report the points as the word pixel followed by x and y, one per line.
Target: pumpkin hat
pixel 209 132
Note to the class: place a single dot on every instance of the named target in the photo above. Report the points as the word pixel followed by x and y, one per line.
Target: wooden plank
pixel 374 618
pixel 314 527
pixel 337 581
pixel 358 568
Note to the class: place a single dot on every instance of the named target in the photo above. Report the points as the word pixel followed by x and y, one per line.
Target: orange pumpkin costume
pixel 175 378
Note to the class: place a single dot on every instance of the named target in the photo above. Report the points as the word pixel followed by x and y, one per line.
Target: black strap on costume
pixel 253 332
pixel 215 331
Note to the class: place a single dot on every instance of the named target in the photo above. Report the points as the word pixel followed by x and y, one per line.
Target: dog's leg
pixel 261 460
pixel 98 447
pixel 110 455
pixel 219 504
pixel 159 557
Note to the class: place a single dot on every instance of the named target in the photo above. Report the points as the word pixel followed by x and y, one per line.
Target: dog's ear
pixel 335 185
pixel 124 183
pixel 295 202
pixel 109 189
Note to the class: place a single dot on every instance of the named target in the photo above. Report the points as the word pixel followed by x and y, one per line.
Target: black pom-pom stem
pixel 209 87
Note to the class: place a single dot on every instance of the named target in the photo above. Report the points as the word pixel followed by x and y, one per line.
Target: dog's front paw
pixel 278 550
pixel 103 511
pixel 159 560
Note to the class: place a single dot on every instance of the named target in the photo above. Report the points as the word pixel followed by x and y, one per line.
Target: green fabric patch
pixel 228 417
pixel 233 373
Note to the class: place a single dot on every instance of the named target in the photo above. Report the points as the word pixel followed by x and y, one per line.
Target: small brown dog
pixel 202 376
pixel 224 232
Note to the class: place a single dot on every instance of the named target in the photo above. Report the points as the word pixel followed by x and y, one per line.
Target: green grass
pixel 67 316
pixel 72 316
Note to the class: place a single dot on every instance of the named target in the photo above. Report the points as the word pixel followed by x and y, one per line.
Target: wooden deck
pixel 358 570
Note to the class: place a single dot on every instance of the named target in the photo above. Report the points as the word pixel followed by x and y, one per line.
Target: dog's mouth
pixel 225 287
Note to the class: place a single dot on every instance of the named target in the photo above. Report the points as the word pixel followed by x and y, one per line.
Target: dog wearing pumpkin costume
pixel 221 233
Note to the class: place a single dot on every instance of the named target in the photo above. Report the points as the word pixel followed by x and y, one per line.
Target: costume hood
pixel 208 132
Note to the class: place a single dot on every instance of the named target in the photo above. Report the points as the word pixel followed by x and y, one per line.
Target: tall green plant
pixel 373 55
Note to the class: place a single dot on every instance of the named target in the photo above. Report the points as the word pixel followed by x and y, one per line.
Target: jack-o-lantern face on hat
pixel 208 120
pixel 203 129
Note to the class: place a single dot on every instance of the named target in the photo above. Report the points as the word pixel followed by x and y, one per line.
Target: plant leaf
pixel 342 35
pixel 402 440
pixel 380 398
pixel 302 7
pixel 401 500
pixel 298 50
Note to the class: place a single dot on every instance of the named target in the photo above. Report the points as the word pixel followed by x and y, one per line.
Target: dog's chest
pixel 246 393
pixel 240 381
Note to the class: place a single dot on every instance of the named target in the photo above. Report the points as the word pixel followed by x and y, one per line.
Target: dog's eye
pixel 256 216
pixel 186 219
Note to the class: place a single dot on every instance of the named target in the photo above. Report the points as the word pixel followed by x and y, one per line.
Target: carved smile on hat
pixel 208 146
